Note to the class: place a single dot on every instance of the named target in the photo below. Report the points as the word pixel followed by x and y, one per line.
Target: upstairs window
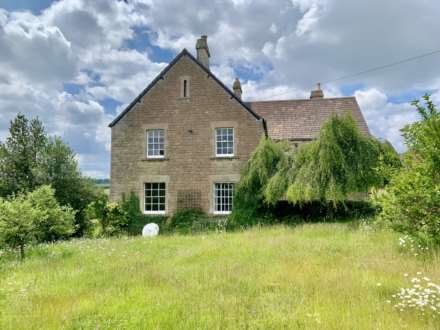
pixel 184 87
pixel 223 198
pixel 224 142
pixel 155 143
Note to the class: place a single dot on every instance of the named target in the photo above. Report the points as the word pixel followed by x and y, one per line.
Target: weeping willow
pixel 262 165
pixel 341 161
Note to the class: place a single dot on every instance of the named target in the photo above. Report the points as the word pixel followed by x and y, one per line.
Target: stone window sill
pixel 146 159
pixel 225 158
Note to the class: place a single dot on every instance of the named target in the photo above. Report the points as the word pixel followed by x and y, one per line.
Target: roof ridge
pixel 166 69
pixel 290 100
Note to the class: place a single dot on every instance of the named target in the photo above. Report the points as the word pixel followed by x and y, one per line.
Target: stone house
pixel 183 141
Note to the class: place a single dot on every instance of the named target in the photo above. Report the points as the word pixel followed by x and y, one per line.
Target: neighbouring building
pixel 183 141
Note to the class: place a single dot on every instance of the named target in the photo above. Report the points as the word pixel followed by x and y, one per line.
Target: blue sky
pixel 76 64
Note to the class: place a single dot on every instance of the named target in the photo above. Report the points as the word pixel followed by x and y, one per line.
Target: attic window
pixel 184 87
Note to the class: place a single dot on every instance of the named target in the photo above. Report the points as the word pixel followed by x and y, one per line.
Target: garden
pixel 337 233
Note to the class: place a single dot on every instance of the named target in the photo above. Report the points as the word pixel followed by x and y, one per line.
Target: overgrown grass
pixel 313 276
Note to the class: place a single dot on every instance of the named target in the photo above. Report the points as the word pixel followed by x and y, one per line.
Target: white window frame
pixel 214 191
pixel 155 212
pixel 153 130
pixel 224 141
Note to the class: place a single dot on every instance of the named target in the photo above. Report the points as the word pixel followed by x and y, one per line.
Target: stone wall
pixel 189 167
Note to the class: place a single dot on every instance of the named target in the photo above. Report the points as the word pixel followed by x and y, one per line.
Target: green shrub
pixel 34 218
pixel 111 217
pixel 56 222
pixel 411 205
pixel 411 202
pixel 136 219
pixel 189 221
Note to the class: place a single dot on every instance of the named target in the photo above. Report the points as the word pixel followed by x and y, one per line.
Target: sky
pixel 76 64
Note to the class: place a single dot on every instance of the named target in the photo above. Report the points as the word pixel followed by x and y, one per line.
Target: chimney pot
pixel 317 93
pixel 202 49
pixel 236 87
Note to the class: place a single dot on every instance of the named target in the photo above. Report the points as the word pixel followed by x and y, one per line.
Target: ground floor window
pixel 155 197
pixel 223 197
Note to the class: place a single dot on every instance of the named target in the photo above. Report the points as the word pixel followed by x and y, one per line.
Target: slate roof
pixel 302 119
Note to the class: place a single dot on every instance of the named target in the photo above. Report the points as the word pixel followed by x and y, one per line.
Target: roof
pixel 161 75
pixel 302 119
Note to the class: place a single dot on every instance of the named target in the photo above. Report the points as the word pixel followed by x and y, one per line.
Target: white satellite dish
pixel 150 230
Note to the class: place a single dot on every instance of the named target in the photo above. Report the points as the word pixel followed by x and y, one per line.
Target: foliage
pixel 136 219
pixel 329 170
pixel 56 222
pixel 20 155
pixel 411 202
pixel 423 138
pixel 389 162
pixel 340 162
pixel 17 223
pixel 112 218
pixel 261 166
pixel 185 221
pixel 33 217
pixel 29 159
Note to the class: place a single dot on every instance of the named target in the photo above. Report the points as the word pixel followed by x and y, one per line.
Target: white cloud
pixel 385 119
pixel 33 51
pixel 290 44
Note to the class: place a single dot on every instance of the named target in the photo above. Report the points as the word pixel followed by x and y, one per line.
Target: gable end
pixel 161 75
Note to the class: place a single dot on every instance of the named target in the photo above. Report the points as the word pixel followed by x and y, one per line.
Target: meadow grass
pixel 314 276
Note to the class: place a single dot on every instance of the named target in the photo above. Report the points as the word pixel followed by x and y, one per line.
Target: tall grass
pixel 315 276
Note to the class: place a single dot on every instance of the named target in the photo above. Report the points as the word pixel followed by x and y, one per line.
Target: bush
pixel 56 222
pixel 190 221
pixel 111 217
pixel 411 202
pixel 34 218
pixel 136 219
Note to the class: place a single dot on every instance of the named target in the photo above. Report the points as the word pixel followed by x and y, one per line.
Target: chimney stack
pixel 236 87
pixel 317 93
pixel 203 51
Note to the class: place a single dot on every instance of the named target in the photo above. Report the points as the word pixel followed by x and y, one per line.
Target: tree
pixel 56 222
pixel 411 202
pixel 389 162
pixel 35 217
pixel 20 155
pixel 17 223
pixel 340 162
pixel 29 159
pixel 59 168
pixel 262 165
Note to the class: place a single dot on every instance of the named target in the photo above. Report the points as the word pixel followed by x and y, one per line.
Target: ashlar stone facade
pixel 183 141
pixel 189 167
